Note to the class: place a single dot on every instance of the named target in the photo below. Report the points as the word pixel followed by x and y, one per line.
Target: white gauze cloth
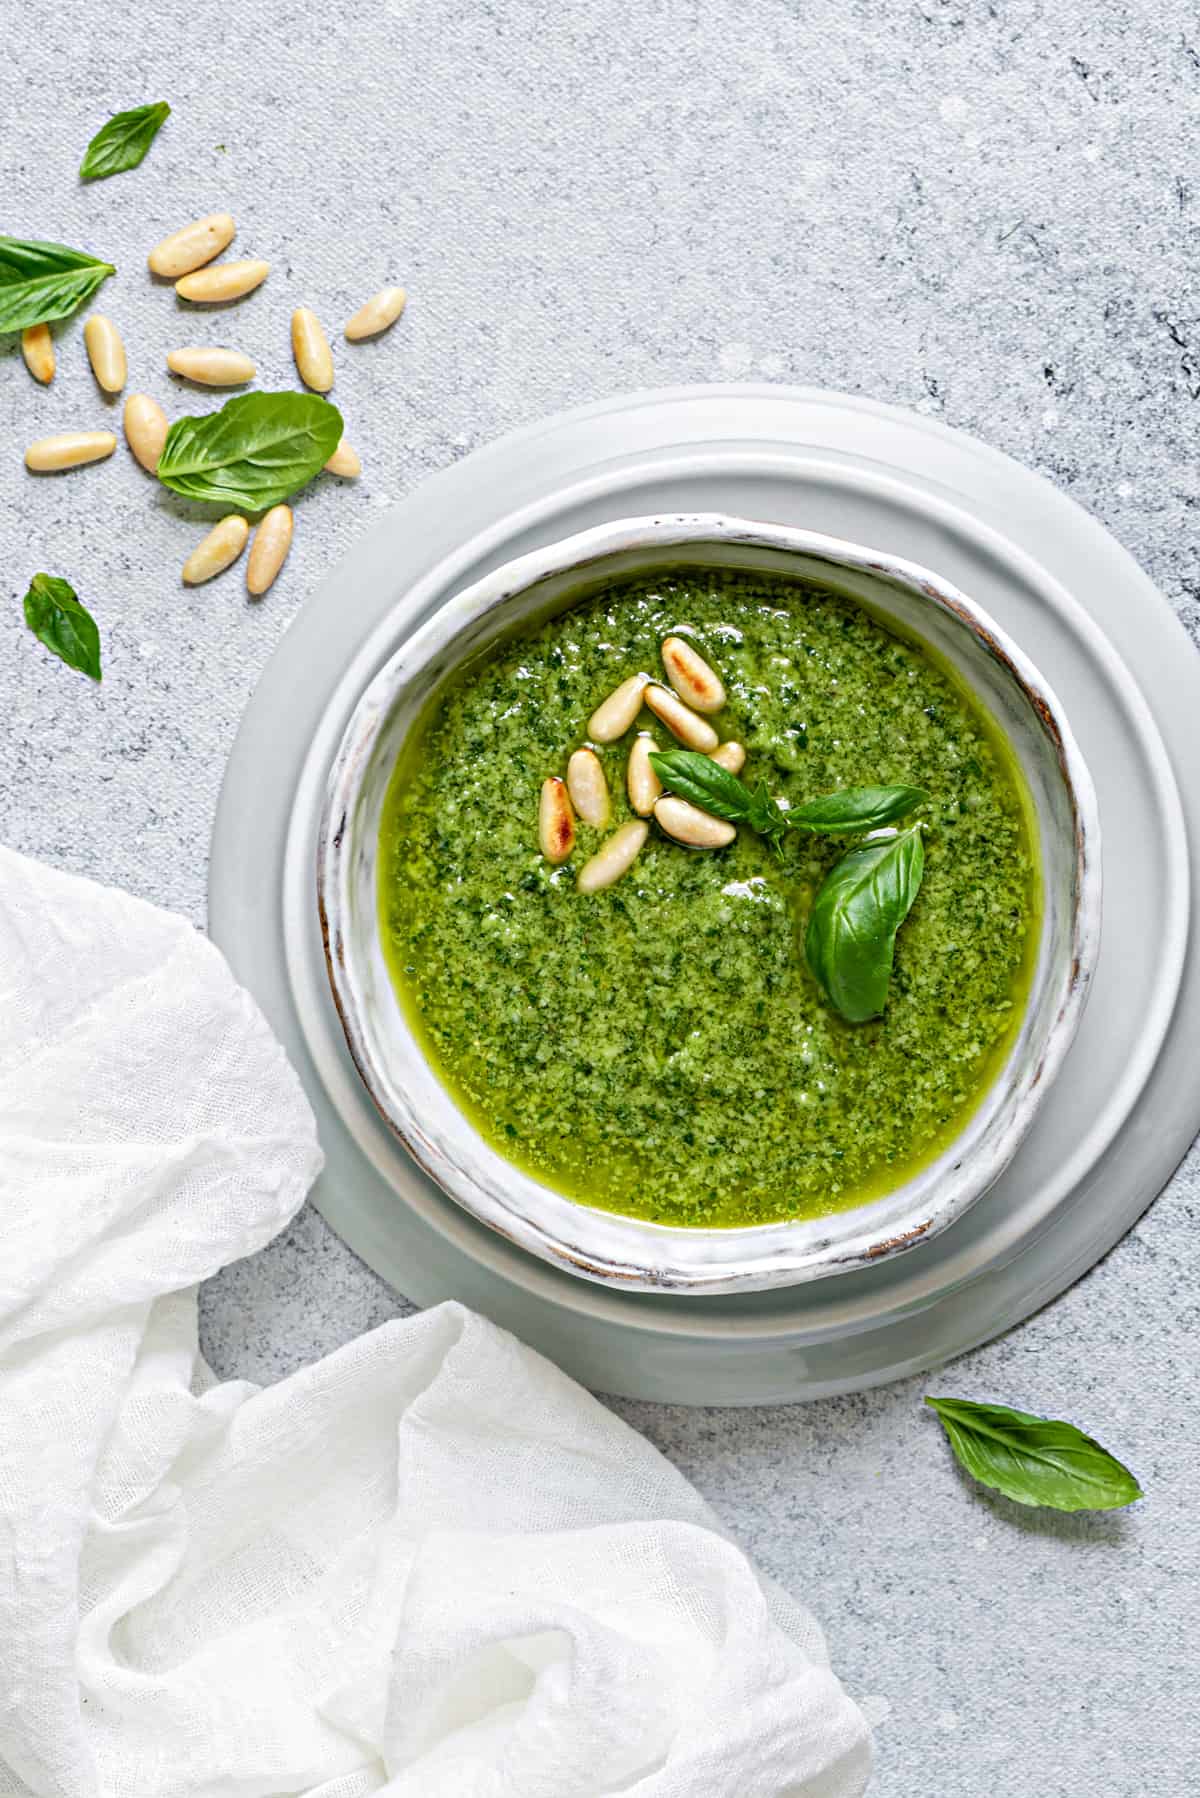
pixel 429 1566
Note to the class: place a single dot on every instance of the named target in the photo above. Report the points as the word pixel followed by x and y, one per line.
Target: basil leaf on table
pixel 253 453
pixel 123 141
pixel 1034 1460
pixel 59 620
pixel 44 281
pixel 703 782
pixel 855 809
pixel 862 902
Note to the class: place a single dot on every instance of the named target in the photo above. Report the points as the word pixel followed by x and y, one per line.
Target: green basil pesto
pixel 660 1048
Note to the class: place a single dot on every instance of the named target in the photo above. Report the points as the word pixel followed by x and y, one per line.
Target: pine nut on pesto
pixel 693 731
pixel 556 822
pixel 688 824
pixel 659 1047
pixel 730 756
pixel 691 676
pixel 614 715
pixel 641 782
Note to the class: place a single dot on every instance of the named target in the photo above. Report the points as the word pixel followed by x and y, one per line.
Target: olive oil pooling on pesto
pixel 661 1048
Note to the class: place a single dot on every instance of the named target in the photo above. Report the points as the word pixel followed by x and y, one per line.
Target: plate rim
pixel 791 450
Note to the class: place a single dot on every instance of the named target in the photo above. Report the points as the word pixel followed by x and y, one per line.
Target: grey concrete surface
pixel 986 209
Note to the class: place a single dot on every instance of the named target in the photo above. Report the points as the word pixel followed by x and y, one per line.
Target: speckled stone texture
pixel 984 210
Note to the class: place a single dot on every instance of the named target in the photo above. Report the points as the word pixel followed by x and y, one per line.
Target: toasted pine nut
pixel 688 824
pixel 268 552
pixel 211 368
pixel 310 347
pixel 642 783
pixel 145 429
pixel 588 788
pixel 224 281
pixel 37 347
pixel 556 821
pixel 691 676
pixel 378 313
pixel 614 859
pixel 344 461
pixel 193 246
pixel 223 545
pixel 613 716
pixel 730 756
pixel 69 449
pixel 106 352
pixel 692 730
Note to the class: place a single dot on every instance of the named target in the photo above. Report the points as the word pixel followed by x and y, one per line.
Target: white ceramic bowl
pixel 599 1245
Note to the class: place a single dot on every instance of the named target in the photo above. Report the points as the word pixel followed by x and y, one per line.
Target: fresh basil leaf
pixel 862 902
pixel 44 281
pixel 1034 1460
pixel 856 809
pixel 122 143
pixel 703 782
pixel 253 453
pixel 63 624
pixel 767 816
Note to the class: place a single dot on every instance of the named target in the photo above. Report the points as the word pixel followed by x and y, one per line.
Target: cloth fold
pixel 429 1565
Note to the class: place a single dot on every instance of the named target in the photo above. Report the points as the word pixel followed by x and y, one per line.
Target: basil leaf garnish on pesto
pixel 849 812
pixel 59 620
pixel 123 141
pixel 256 451
pixel 703 782
pixel 864 898
pixel 1034 1460
pixel 40 282
pixel 851 937
pixel 855 809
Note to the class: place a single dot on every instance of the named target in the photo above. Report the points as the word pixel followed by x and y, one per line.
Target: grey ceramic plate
pixel 1122 1113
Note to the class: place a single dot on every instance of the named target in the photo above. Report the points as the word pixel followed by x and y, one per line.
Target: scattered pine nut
pixel 106 352
pixel 223 545
pixel 225 281
pixel 692 731
pixel 310 347
pixel 145 429
pixel 730 756
pixel 37 347
pixel 192 246
pixel 614 859
pixel 641 782
pixel 212 368
pixel 268 552
pixel 588 788
pixel 69 449
pixel 556 821
pixel 691 676
pixel 344 461
pixel 688 824
pixel 614 715
pixel 378 313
